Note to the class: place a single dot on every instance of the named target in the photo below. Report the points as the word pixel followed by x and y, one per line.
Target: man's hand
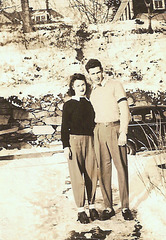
pixel 122 140
pixel 67 153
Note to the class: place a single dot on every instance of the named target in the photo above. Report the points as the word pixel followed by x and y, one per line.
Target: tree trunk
pixel 148 5
pixel 48 12
pixel 9 16
pixel 26 16
pixel 150 30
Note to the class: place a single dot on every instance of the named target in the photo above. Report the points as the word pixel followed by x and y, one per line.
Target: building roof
pixel 6 17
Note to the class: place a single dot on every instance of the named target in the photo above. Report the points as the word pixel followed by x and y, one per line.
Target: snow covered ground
pixel 36 200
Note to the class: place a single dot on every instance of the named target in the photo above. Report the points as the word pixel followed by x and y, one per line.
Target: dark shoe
pixel 106 214
pixel 83 218
pixel 127 214
pixel 93 214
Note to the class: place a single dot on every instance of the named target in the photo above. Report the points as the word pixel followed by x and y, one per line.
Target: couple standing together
pixel 93 133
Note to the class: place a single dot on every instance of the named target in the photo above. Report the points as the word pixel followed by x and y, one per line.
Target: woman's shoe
pixel 83 218
pixel 93 214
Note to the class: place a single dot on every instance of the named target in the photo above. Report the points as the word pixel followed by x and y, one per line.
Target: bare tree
pixel 48 10
pixel 148 4
pixel 91 9
pixel 113 5
pixel 26 16
pixel 96 11
pixel 12 16
pixel 151 14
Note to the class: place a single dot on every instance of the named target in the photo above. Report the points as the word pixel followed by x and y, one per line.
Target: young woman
pixel 77 138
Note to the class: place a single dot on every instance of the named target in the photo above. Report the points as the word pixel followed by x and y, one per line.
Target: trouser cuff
pixel 91 206
pixel 81 209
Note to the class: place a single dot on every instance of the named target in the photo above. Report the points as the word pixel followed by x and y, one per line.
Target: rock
pixel 13 145
pixel 25 130
pixel 24 145
pixel 5 107
pixel 36 122
pixel 59 112
pixel 9 130
pixel 49 137
pixel 53 120
pixel 35 106
pixel 40 114
pixel 25 123
pixel 45 105
pixel 5 111
pixel 43 130
pixel 41 138
pixel 57 135
pixel 58 129
pixel 52 108
pixel 31 115
pixel 4 119
pixel 21 114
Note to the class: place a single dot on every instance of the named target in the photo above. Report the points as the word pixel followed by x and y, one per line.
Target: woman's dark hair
pixel 73 78
pixel 92 63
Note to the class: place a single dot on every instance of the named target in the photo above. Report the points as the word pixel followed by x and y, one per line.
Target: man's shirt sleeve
pixel 121 98
pixel 120 93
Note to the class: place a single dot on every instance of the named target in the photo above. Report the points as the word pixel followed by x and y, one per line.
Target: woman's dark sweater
pixel 77 119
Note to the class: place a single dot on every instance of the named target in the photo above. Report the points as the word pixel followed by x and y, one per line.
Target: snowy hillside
pixel 28 61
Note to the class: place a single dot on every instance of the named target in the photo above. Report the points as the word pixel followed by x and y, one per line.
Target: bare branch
pixel 91 8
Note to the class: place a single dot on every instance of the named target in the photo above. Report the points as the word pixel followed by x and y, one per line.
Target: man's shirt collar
pixel 102 84
pixel 78 98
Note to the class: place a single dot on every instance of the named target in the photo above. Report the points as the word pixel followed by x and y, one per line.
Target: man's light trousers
pixel 106 148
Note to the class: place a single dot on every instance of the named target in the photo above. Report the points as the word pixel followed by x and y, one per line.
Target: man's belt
pixel 110 123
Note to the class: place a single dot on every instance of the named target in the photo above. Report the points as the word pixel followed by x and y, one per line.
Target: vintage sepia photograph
pixel 82 119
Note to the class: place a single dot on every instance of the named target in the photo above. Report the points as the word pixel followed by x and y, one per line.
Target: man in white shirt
pixel 112 117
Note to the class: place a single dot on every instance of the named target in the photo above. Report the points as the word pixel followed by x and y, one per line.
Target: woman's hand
pixel 68 153
pixel 122 140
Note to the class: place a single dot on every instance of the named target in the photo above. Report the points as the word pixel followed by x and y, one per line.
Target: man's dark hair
pixel 92 63
pixel 73 78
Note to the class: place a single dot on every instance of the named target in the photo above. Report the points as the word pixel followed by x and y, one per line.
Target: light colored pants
pixel 83 169
pixel 106 148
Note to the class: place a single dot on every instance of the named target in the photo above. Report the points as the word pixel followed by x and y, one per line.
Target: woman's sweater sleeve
pixel 65 126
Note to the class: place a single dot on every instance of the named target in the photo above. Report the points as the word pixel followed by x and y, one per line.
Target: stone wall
pixel 32 121
pixel 37 121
